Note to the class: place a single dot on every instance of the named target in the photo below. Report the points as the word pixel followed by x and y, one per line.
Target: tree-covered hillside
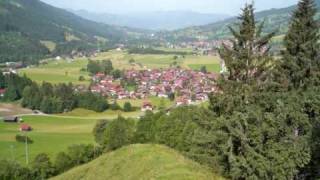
pixel 274 19
pixel 28 26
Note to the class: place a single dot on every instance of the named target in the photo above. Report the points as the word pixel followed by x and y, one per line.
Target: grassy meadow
pixel 50 135
pixel 141 162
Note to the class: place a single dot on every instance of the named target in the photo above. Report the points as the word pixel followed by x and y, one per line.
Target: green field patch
pixel 49 44
pixel 62 71
pixel 210 67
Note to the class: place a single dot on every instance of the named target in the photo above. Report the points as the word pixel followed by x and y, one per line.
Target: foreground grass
pixel 137 162
pixel 51 135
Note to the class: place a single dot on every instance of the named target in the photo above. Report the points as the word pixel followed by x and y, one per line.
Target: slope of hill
pixel 33 23
pixel 275 20
pixel 140 162
pixel 162 20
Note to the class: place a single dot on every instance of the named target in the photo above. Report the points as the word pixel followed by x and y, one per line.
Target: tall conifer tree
pixel 300 57
pixel 248 57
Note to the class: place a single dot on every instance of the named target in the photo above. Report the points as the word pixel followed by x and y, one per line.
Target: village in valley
pixel 184 86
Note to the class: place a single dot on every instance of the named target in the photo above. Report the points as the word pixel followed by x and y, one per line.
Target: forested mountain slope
pixel 275 20
pixel 27 27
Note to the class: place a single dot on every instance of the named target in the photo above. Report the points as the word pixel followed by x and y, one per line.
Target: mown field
pixel 65 71
pixel 58 71
pixel 51 135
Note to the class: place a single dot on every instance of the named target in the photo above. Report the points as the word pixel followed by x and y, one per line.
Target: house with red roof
pixel 146 106
pixel 25 127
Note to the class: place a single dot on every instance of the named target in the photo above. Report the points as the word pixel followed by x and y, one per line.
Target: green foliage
pixel 119 132
pixel 13 170
pixel 146 128
pixel 42 167
pixel 127 107
pixel 116 74
pixel 92 102
pixel 62 162
pixel 248 58
pixel 99 131
pixel 203 69
pixel 22 139
pixel 105 66
pixel 300 63
pixel 93 67
pixel 80 154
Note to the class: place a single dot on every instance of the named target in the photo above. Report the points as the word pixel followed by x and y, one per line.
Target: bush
pixel 115 106
pixel 127 107
pixel 42 166
pixel 22 139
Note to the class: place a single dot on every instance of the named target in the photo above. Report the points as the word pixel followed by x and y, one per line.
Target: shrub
pixel 22 139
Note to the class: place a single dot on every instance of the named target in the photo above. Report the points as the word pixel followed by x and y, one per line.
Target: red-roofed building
pixel 146 106
pixel 25 127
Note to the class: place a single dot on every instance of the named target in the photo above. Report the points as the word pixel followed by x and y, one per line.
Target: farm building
pixel 25 127
pixel 147 106
pixel 11 119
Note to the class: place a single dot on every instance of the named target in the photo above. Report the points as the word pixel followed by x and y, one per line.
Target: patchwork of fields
pixel 65 71
pixel 53 134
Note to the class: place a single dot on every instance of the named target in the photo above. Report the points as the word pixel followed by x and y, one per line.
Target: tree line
pixel 49 98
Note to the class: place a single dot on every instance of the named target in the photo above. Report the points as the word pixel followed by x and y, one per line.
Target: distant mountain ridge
pixel 161 20
pixel 275 20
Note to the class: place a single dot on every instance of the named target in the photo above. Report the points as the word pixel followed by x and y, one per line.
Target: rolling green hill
pixel 30 28
pixel 275 20
pixel 137 162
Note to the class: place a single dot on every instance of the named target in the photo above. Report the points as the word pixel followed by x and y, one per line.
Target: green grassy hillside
pixel 138 162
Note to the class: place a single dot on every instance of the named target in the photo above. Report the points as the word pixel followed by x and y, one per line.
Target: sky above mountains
pixel 230 7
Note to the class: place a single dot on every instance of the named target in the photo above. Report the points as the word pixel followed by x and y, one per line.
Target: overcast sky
pixel 230 7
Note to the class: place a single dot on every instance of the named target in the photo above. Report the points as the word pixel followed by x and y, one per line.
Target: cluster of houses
pixel 187 86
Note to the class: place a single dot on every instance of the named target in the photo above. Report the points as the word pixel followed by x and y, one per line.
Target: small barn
pixel 11 119
pixel 25 127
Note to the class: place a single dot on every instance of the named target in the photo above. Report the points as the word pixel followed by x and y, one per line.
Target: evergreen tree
pixel 300 57
pixel 248 58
